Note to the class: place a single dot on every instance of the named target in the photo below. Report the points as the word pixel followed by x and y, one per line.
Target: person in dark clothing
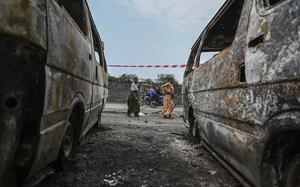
pixel 133 99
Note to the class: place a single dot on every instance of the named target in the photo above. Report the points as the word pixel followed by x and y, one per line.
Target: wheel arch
pixel 282 144
pixel 77 113
pixel 191 118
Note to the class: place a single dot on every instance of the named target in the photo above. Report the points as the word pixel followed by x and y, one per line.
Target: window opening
pixel 255 42
pixel 242 73
pixel 191 61
pixel 269 3
pixel 97 75
pixel 98 45
pixel 206 56
pixel 105 65
pixel 221 32
pixel 75 9
pixel 97 57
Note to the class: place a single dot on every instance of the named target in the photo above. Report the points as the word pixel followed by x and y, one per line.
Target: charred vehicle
pixel 53 83
pixel 242 89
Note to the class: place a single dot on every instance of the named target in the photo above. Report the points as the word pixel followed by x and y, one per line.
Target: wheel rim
pixel 68 141
pixel 141 101
pixel 153 105
pixel 147 101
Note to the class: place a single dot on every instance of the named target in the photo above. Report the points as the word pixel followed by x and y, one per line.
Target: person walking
pixel 168 107
pixel 133 99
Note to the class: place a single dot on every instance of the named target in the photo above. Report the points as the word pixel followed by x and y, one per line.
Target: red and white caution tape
pixel 148 66
pixel 153 66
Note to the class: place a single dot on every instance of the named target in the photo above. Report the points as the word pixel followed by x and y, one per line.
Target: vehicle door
pixel 98 80
pixel 273 54
pixel 220 88
pixel 69 70
pixel 99 72
pixel 273 41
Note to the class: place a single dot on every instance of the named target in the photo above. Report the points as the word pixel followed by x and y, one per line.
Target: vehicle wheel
pixel 153 104
pixel 195 133
pixel 191 120
pixel 141 101
pixel 190 130
pixel 99 124
pixel 147 100
pixel 68 144
pixel 292 175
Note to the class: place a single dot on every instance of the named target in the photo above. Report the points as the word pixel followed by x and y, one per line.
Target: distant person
pixel 133 99
pixel 153 93
pixel 168 107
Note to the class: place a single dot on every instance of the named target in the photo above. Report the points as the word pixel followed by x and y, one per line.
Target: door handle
pixel 96 73
pixel 256 41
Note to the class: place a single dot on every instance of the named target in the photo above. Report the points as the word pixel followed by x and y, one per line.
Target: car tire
pixel 99 121
pixel 191 121
pixel 68 144
pixel 195 133
pixel 147 101
pixel 141 101
pixel 153 104
pixel 292 174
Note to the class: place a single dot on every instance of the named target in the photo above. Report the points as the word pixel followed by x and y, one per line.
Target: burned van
pixel 53 82
pixel 242 89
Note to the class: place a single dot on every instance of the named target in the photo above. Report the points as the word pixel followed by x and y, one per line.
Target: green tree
pixel 164 78
pixel 112 78
pixel 122 78
pixel 126 77
pixel 149 81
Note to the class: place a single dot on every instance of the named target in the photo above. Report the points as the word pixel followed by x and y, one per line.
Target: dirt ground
pixel 146 151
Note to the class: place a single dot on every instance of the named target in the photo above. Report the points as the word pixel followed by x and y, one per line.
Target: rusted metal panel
pixel 233 114
pixel 277 57
pixel 67 59
pixel 22 51
pixel 25 19
pixel 253 105
pixel 47 67
pixel 71 71
pixel 21 79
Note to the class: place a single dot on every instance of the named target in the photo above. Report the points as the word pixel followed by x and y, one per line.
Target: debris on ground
pixel 134 153
pixel 212 172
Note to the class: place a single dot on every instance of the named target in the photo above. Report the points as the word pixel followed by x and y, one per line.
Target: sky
pixel 150 32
